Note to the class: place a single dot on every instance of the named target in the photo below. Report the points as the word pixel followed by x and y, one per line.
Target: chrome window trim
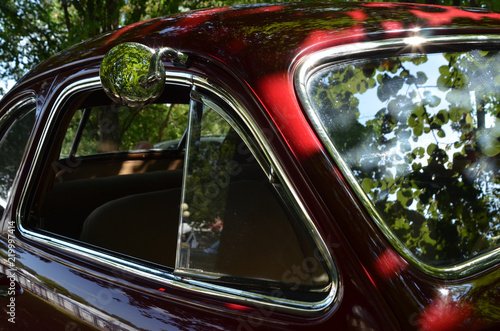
pixel 329 56
pixel 170 278
pixel 12 111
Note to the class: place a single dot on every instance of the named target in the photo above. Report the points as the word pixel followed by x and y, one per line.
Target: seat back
pixel 144 226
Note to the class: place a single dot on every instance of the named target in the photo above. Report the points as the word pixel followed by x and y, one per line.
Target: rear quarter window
pixel 419 136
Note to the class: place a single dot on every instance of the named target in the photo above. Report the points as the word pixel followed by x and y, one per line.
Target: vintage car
pixel 298 166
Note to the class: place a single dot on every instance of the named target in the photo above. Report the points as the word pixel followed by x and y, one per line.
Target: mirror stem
pixel 178 58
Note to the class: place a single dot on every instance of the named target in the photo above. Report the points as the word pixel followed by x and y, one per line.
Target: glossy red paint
pixel 118 33
pixel 253 52
pixel 449 14
pixel 258 10
pixel 193 20
pixel 445 314
pixel 390 264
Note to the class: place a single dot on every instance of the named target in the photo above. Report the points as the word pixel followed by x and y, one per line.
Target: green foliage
pixel 121 128
pixel 428 157
pixel 209 169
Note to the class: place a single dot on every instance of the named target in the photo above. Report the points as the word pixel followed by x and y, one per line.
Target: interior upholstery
pixel 68 204
pixel 141 225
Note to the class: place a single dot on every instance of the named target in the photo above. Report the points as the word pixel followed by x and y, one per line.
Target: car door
pixel 191 227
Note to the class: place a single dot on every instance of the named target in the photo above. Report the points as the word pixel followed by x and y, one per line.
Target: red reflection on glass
pixel 445 315
pixel 389 264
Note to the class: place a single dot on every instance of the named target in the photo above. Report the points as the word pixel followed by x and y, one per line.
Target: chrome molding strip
pixel 12 111
pixel 180 278
pixel 405 45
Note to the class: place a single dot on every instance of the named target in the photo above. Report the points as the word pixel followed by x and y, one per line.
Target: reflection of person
pixel 143 145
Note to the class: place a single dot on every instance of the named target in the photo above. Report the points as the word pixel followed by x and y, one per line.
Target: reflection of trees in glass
pixel 208 171
pixel 207 180
pixel 12 146
pixel 121 128
pixel 420 134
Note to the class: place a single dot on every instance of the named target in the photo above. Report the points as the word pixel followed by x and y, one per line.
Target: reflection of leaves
pixel 488 140
pixel 389 86
pixel 425 158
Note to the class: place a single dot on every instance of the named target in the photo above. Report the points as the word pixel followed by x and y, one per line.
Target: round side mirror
pixel 132 74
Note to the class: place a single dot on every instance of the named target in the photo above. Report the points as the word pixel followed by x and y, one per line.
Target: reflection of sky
pixel 369 105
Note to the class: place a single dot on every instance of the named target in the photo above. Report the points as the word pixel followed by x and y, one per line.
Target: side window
pixel 419 136
pixel 107 153
pixel 12 145
pixel 195 202
pixel 235 225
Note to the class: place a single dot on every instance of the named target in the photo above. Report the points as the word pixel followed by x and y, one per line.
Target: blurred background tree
pixel 33 30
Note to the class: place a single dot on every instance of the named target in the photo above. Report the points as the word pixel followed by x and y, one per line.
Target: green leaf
pixel 431 148
pixel 421 78
pixel 490 147
pixel 367 185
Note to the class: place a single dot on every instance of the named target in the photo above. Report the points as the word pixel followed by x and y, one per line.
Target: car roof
pixel 256 41
pixel 272 35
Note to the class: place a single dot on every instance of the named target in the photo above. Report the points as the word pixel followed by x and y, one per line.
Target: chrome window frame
pixel 186 281
pixel 309 66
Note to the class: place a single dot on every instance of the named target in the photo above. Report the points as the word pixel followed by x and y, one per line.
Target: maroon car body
pixel 253 60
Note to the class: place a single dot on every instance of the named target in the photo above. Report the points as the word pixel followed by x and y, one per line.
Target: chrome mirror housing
pixel 133 74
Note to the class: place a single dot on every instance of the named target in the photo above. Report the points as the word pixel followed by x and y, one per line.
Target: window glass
pixel 234 225
pixel 115 128
pixel 420 134
pixel 12 146
pixel 112 162
pixel 207 182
